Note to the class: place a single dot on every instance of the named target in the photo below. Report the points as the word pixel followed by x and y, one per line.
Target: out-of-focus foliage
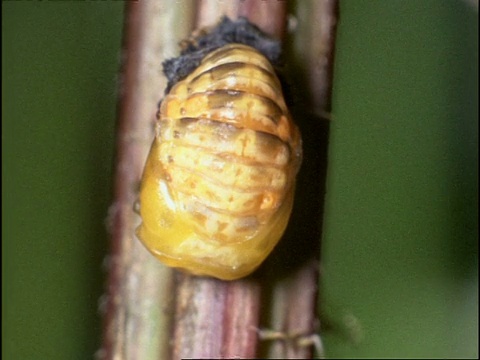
pixel 401 219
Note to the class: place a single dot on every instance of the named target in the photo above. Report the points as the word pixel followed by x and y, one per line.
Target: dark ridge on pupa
pixel 226 32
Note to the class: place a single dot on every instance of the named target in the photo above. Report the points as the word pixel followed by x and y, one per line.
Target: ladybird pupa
pixel 218 185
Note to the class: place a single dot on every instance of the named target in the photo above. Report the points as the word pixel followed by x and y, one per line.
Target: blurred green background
pixel 400 236
pixel 59 79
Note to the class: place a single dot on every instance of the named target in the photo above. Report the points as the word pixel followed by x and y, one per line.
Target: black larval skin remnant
pixel 226 32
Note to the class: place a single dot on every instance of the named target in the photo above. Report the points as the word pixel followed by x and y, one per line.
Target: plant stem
pixel 152 312
pixel 139 289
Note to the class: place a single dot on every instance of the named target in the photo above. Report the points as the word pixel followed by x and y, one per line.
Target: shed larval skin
pixel 217 189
